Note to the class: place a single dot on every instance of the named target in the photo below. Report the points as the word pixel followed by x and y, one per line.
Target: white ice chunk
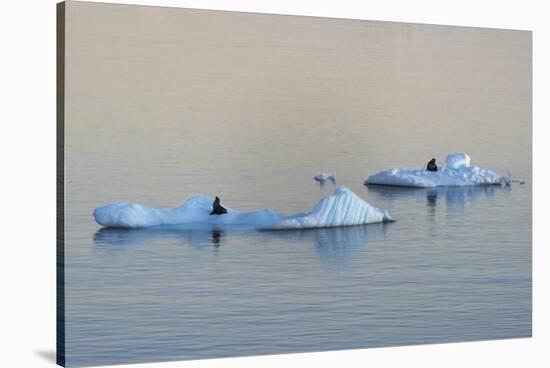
pixel 457 160
pixel 322 177
pixel 342 208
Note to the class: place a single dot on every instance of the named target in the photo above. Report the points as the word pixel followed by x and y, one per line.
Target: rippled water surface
pixel 158 113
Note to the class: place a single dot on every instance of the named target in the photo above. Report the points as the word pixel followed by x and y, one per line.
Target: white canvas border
pixel 27 121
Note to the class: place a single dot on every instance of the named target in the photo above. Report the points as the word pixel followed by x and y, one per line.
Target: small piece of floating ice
pixel 342 208
pixel 457 173
pixel 322 177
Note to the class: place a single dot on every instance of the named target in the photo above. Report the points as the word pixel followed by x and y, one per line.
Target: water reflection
pixel 431 202
pixel 334 242
pixel 454 196
pixel 337 242
pixel 453 203
pixel 216 237
pixel 198 237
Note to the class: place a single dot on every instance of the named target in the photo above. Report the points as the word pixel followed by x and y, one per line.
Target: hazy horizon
pixel 232 80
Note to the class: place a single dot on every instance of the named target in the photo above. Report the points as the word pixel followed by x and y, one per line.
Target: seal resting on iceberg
pixel 431 165
pixel 458 172
pixel 217 208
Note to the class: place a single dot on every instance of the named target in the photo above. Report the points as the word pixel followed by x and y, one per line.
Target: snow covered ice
pixel 457 161
pixel 457 173
pixel 342 208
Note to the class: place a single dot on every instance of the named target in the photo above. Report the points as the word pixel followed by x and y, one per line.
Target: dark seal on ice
pixel 217 208
pixel 431 165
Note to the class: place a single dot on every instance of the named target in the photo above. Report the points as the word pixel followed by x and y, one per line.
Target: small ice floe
pixel 342 208
pixel 322 177
pixel 457 172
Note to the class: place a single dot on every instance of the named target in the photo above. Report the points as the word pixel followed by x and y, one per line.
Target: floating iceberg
pixel 457 173
pixel 342 208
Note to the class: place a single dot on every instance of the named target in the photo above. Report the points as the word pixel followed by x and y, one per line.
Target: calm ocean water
pixel 455 266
